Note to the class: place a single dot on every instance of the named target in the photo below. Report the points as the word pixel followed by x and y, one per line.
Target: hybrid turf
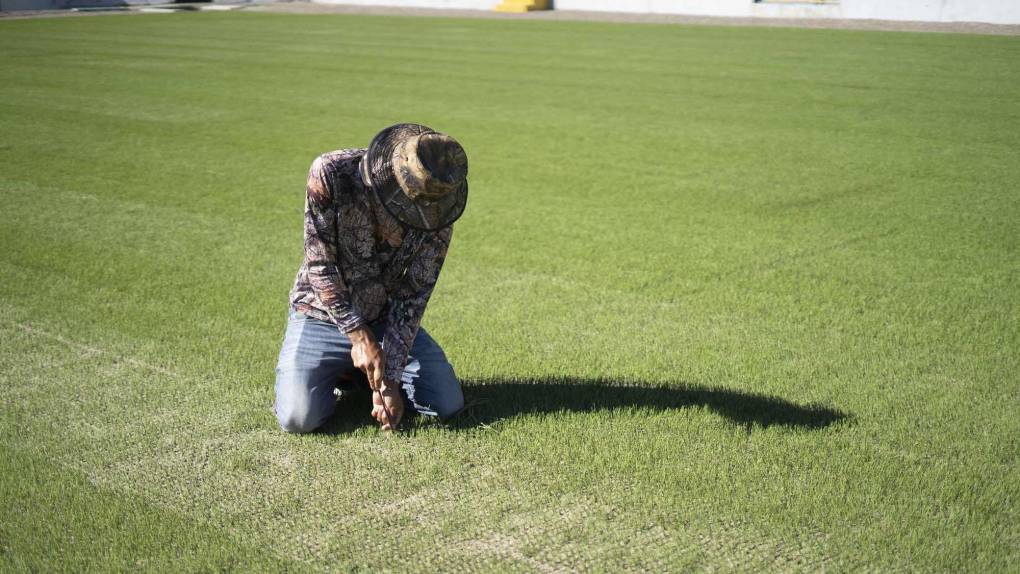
pixel 723 299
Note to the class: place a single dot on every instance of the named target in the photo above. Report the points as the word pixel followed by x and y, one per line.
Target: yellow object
pixel 519 6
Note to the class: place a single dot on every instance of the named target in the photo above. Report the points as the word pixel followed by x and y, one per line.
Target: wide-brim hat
pixel 418 174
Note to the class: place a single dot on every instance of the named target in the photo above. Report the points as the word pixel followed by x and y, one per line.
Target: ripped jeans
pixel 316 355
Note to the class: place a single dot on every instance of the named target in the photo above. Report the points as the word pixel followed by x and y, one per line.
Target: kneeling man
pixel 378 223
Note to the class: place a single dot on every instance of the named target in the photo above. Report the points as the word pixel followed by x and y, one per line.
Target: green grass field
pixel 723 299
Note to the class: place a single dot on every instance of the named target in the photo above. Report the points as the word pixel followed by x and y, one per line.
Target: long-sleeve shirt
pixel 360 265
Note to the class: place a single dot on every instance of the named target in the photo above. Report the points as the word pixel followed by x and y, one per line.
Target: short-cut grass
pixel 723 298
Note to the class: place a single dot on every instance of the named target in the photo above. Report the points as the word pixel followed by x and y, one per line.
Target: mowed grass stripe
pixel 749 222
pixel 523 537
pixel 55 519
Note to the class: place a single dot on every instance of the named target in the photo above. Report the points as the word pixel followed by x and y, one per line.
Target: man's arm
pixel 407 307
pixel 320 246
pixel 323 273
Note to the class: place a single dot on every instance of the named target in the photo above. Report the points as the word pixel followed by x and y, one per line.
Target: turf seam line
pixel 93 351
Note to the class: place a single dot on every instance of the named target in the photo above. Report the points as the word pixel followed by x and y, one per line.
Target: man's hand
pixel 367 355
pixel 388 406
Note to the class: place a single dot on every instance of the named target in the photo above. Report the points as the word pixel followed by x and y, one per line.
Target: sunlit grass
pixel 723 298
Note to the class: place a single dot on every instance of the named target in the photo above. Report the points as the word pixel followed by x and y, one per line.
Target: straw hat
pixel 419 175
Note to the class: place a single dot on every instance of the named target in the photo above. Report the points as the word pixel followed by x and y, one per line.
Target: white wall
pixel 465 4
pixel 693 7
pixel 992 11
pixel 996 11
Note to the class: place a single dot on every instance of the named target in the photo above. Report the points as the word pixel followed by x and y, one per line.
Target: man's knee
pixel 301 407
pixel 297 420
pixel 449 403
pixel 433 388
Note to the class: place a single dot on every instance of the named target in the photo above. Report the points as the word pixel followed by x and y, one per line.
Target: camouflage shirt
pixel 361 266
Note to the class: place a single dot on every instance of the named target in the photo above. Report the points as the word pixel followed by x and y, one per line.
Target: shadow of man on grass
pixel 489 401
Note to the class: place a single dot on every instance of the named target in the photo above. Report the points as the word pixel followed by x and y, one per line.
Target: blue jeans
pixel 316 355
